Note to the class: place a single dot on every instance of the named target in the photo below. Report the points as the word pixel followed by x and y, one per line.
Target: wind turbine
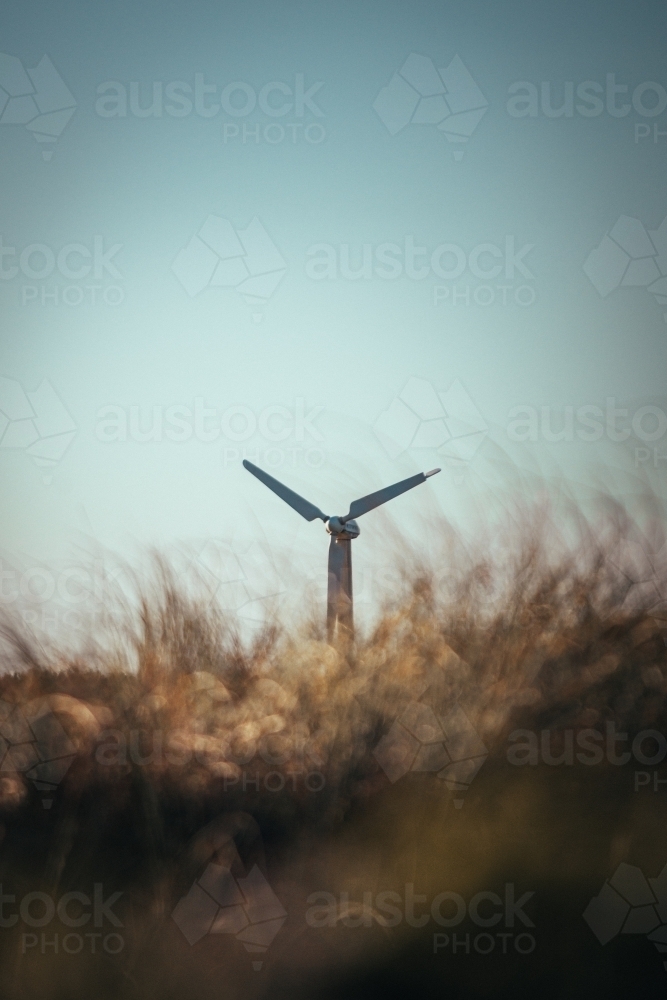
pixel 342 530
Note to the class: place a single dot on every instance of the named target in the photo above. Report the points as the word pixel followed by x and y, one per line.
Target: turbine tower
pixel 342 530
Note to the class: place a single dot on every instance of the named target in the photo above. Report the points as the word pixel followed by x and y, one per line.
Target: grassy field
pixel 471 742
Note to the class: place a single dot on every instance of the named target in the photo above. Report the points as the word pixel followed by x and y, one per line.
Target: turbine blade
pixel 364 504
pixel 301 506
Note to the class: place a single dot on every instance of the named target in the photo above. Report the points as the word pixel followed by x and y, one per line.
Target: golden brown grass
pixel 174 706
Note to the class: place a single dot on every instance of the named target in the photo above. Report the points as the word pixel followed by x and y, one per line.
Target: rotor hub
pixel 349 529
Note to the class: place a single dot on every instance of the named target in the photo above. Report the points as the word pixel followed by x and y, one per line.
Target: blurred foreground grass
pixel 186 743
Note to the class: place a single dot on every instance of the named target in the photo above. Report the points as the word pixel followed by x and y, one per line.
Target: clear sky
pixel 418 146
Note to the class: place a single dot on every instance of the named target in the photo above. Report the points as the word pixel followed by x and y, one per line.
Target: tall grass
pixel 172 707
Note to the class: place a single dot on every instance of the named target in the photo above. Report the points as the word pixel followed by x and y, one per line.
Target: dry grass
pixel 172 707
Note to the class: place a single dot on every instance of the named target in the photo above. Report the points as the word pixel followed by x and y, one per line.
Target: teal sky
pixel 326 172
